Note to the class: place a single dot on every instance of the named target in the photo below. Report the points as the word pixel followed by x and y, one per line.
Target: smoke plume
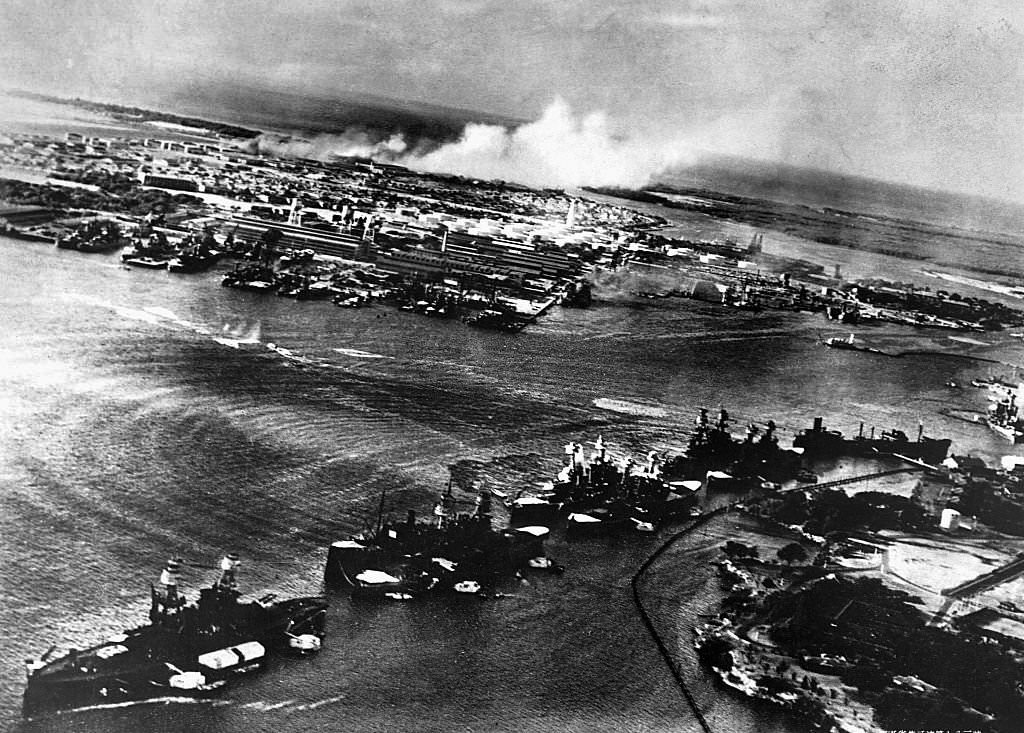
pixel 561 149
pixel 352 143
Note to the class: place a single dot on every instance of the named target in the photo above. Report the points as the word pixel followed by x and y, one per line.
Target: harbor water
pixel 145 415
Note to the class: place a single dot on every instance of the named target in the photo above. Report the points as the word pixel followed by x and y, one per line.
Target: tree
pixel 738 549
pixel 791 553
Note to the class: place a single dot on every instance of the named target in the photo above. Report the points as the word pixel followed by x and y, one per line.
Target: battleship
pixel 754 457
pixel 187 649
pixel 600 496
pixel 456 552
pixel 819 442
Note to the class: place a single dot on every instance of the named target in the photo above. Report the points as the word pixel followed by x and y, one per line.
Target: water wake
pixel 362 354
pixel 630 408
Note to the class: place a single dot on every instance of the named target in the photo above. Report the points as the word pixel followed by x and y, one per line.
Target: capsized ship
pixel 186 649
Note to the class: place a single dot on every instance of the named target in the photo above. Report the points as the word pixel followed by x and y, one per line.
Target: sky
pixel 926 92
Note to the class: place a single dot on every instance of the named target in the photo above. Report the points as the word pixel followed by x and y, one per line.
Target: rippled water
pixel 131 432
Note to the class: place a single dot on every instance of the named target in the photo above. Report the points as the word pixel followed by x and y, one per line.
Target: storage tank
pixel 950 519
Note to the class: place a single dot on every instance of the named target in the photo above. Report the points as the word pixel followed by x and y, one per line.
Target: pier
pixel 856 479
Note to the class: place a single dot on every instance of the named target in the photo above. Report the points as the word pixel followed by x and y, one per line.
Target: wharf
pixel 544 307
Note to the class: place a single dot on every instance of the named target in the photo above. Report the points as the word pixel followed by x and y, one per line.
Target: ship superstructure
pixel 188 647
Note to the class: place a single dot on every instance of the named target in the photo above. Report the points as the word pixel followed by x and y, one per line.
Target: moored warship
pixel 1004 418
pixel 818 442
pixel 186 649
pixel 602 496
pixel 452 552
pixel 751 458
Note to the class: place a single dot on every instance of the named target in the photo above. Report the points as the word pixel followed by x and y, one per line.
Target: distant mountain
pixel 288 111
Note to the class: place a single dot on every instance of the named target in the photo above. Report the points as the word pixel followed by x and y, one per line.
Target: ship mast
pixel 228 565
pixel 166 603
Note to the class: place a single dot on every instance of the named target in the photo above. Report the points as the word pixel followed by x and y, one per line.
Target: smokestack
pixel 838 270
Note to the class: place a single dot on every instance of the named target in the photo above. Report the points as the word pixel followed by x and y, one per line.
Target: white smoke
pixel 353 143
pixel 560 150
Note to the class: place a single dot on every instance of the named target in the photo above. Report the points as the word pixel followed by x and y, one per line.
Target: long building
pixel 333 244
pixel 24 216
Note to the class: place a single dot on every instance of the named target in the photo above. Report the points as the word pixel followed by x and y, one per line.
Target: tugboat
pixel 818 442
pixel 187 649
pixel 456 552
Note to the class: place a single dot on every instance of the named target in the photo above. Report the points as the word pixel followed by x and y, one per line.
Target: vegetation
pixel 994 508
pixel 834 511
pixel 791 553
pixel 884 636
pixel 734 549
pixel 114 196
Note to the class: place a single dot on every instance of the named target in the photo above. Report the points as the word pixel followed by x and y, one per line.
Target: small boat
pixel 377 584
pixel 596 523
pixel 533 510
pixel 848 344
pixel 148 262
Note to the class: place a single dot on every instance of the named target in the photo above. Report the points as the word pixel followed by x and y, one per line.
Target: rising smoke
pixel 353 143
pixel 560 149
